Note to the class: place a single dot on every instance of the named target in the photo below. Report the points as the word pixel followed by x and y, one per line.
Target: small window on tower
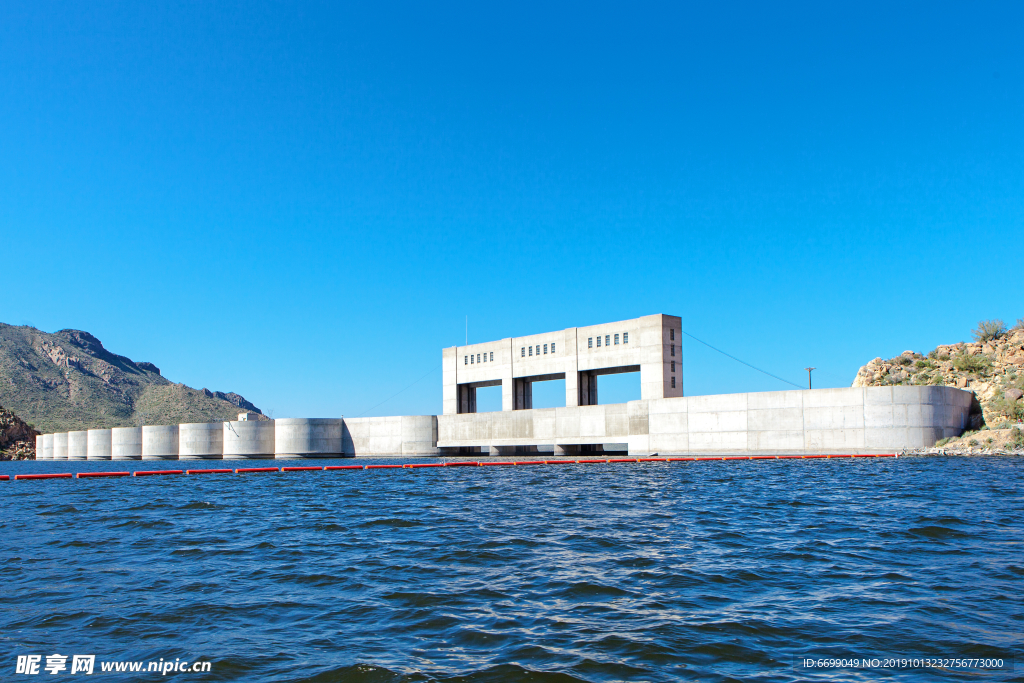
pixel 607 338
pixel 673 382
pixel 531 350
pixel 625 337
pixel 598 342
pixel 545 348
pixel 672 349
pixel 616 340
pixel 471 357
pixel 552 347
pixel 672 335
pixel 492 355
pixel 522 352
pixel 465 360
pixel 673 366
pixel 590 342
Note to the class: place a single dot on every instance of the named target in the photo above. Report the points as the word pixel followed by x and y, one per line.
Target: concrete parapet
pixel 248 439
pixel 78 445
pixel 398 435
pixel 60 446
pixel 160 442
pixel 307 437
pixel 853 419
pixel 201 441
pixel 126 443
pixel 47 452
pixel 99 444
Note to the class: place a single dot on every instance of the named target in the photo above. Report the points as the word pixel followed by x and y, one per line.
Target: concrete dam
pixel 663 421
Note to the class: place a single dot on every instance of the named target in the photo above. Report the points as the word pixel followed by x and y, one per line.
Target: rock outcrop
pixel 993 369
pixel 17 438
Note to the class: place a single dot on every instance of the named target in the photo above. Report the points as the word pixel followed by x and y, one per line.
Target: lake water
pixel 710 571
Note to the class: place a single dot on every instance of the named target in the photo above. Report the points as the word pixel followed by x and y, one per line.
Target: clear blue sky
pixel 301 202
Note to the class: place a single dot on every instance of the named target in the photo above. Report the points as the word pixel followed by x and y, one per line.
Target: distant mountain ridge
pixel 67 380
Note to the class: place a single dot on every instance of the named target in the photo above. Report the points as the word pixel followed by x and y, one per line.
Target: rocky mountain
pixel 992 367
pixel 67 380
pixel 17 439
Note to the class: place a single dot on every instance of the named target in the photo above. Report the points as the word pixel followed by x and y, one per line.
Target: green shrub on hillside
pixel 988 330
pixel 973 364
pixel 1013 410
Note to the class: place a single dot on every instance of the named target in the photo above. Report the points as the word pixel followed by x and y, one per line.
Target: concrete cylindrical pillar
pixel 313 437
pixel 126 443
pixel 47 452
pixel 204 441
pixel 248 439
pixel 99 444
pixel 160 442
pixel 60 446
pixel 78 445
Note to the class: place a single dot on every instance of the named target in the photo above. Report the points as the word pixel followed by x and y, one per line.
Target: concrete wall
pixel 403 435
pixel 308 437
pixel 201 441
pixel 47 452
pixel 247 439
pixel 99 444
pixel 160 442
pixel 78 445
pixel 126 443
pixel 60 446
pixel 862 419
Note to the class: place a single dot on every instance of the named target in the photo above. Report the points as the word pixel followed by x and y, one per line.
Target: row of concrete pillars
pixel 522 393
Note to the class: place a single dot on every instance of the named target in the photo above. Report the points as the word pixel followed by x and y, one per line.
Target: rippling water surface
pixel 706 571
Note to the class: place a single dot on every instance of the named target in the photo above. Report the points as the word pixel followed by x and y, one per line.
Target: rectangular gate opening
pixel 488 399
pixel 549 394
pixel 611 385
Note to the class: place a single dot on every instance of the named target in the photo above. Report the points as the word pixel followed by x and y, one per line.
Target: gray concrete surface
pixel 861 419
pixel 201 441
pixel 309 437
pixel 47 453
pixel 126 443
pixel 248 440
pixel 160 442
pixel 99 444
pixel 78 445
pixel 400 435
pixel 60 446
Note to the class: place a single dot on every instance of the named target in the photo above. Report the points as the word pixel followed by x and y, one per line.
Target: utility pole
pixel 809 376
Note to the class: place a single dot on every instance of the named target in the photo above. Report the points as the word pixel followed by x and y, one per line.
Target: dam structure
pixel 663 421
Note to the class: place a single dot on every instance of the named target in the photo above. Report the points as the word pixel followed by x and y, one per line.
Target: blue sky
pixel 302 202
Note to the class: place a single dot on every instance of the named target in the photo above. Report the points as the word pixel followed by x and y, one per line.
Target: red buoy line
pixel 589 461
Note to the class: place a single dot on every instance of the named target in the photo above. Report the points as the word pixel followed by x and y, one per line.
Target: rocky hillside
pixel 17 439
pixel 992 367
pixel 67 380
